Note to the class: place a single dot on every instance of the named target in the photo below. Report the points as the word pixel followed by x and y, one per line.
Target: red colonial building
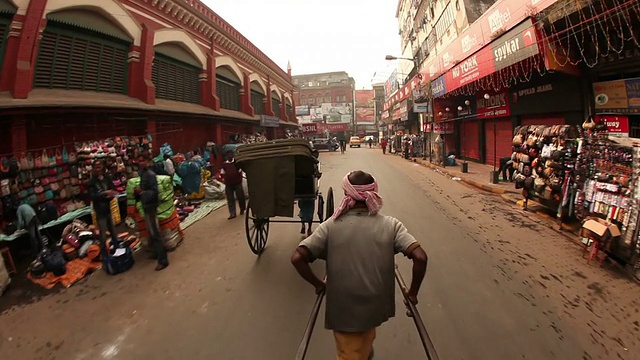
pixel 80 70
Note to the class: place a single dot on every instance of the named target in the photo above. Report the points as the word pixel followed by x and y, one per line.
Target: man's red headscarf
pixel 367 193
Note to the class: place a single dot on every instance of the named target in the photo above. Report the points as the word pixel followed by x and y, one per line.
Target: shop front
pixel 617 103
pixel 494 113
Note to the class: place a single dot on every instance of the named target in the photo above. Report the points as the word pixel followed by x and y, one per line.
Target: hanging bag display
pixel 58 157
pixel 589 123
pixel 24 163
pixel 65 155
pixel 44 159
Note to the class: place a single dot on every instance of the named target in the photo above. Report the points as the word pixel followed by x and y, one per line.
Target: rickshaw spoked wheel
pixel 330 203
pixel 257 230
pixel 320 207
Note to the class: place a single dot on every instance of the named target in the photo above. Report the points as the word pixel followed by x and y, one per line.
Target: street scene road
pixel 500 285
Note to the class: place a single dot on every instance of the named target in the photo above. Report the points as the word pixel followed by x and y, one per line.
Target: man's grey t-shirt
pixel 359 250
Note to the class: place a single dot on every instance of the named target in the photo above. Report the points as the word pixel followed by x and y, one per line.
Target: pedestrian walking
pixel 232 176
pixel 383 143
pixel 343 144
pixel 28 220
pixel 148 195
pixel 101 191
pixel 307 207
pixel 359 245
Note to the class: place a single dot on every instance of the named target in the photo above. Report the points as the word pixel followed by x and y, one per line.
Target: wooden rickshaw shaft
pixel 308 331
pixel 429 348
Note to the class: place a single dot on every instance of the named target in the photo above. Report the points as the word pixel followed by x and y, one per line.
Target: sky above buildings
pixel 320 36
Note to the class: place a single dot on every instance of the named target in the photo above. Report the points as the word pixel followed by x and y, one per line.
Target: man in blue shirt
pixel 28 220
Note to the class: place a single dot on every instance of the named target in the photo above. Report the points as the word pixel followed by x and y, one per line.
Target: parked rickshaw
pixel 279 173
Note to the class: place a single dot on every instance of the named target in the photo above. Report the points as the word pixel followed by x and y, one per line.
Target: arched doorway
pixel 83 50
pixel 228 85
pixel 176 73
pixel 257 97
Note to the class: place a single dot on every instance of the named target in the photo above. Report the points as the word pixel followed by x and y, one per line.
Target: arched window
pixel 257 98
pixel 176 74
pixel 82 50
pixel 228 88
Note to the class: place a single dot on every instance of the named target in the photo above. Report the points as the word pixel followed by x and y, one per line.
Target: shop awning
pixel 515 45
pixel 39 98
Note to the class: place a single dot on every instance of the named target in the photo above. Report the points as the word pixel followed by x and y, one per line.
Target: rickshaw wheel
pixel 257 230
pixel 320 207
pixel 330 203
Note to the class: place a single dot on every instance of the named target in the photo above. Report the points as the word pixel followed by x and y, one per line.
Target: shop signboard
pixel 337 112
pixel 404 110
pixel 443 127
pixel 617 125
pixel 504 14
pixel 310 128
pixel 426 127
pixel 303 110
pixel 333 127
pixel 496 106
pixel 553 93
pixel 517 44
pixel 269 121
pixel 420 101
pixel 618 96
pixel 438 87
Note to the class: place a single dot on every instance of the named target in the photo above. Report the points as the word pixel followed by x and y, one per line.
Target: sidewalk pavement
pixel 478 177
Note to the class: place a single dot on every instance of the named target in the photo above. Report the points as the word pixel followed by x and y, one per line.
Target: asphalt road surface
pixel 500 285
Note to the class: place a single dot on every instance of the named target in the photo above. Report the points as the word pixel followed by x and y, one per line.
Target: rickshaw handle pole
pixel 429 348
pixel 308 331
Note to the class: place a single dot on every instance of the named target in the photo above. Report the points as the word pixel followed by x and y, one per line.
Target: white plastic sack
pixel 214 189
pixel 5 280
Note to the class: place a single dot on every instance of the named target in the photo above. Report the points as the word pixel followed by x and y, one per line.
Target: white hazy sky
pixel 320 36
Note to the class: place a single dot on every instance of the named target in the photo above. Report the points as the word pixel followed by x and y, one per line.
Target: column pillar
pixel 245 96
pixel 141 68
pixel 21 68
pixel 283 109
pixel 268 108
pixel 208 91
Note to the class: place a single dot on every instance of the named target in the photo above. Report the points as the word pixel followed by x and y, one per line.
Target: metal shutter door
pixel 469 145
pixel 504 135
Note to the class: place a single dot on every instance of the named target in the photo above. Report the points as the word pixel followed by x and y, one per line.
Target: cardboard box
pixel 599 229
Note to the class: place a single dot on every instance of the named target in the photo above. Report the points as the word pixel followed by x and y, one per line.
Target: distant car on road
pixel 325 144
pixel 355 141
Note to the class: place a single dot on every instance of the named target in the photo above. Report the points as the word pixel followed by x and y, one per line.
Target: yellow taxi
pixel 354 141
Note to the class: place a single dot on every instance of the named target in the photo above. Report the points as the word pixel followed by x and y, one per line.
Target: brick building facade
pixel 79 70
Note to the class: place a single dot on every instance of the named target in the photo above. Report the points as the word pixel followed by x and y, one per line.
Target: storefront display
pixel 606 176
pixel 543 160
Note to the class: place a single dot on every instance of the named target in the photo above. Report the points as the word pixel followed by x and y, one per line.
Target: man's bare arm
pixel 419 258
pixel 300 260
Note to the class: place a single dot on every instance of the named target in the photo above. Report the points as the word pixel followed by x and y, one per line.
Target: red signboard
pixel 616 124
pixel 503 15
pixel 471 69
pixel 443 127
pixel 337 127
pixel 311 128
pixel 365 115
pixel 426 127
pixel 496 106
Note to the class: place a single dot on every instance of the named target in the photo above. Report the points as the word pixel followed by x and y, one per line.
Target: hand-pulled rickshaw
pixel 279 173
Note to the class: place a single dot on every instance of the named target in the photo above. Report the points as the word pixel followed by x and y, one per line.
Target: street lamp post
pixel 465 165
pixel 494 174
